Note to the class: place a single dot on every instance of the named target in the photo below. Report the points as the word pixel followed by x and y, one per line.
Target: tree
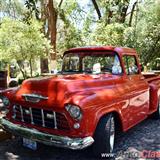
pixel 22 41
pixel 120 22
pixel 149 32
pixel 48 15
pixel 13 9
pixel 112 34
pixel 32 8
pixel 112 11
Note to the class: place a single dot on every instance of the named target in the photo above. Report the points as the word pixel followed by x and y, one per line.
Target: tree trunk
pixel 110 15
pixel 44 65
pixel 123 14
pixel 49 14
pixel 52 25
pixel 21 70
pixel 43 15
pixel 31 69
pixel 132 11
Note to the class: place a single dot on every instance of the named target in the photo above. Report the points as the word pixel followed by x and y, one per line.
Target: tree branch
pixel 97 9
pixel 60 3
pixel 132 11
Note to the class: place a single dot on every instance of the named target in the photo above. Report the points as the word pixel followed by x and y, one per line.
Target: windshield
pixel 99 62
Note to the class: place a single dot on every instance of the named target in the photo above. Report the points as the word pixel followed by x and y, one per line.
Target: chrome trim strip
pixel 45 138
pixel 55 120
pixel 30 109
pixel 43 122
pixel 22 118
pixel 35 96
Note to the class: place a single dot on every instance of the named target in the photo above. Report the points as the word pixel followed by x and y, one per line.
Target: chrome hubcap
pixel 112 134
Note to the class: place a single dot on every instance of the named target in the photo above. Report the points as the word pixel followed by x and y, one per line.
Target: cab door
pixel 138 91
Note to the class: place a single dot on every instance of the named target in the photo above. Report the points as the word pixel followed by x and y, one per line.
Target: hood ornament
pixel 34 98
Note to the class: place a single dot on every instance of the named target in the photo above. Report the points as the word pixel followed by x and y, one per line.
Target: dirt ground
pixel 145 136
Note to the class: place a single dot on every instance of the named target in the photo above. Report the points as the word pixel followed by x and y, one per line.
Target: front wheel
pixel 156 115
pixel 104 136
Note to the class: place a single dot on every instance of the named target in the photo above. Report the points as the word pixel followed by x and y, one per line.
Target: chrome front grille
pixel 40 117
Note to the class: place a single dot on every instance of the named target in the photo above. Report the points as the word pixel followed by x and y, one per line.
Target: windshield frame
pixel 90 53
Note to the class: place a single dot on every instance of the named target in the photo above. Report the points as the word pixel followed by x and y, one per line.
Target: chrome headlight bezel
pixel 74 111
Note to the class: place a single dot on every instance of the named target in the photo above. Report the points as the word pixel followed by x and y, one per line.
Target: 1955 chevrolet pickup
pixel 99 92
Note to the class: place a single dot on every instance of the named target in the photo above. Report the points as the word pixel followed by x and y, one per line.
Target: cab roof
pixel 119 50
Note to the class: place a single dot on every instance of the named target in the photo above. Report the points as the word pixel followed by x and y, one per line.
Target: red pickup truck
pixel 99 92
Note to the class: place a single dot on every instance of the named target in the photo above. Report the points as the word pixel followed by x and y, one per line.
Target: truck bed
pixel 154 84
pixel 150 77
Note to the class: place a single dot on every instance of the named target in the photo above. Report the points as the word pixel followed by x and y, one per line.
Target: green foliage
pixel 109 34
pixel 69 34
pixel 71 38
pixel 22 41
pixel 149 32
pixel 32 7
pixel 13 9
pixel 144 35
pixel 78 26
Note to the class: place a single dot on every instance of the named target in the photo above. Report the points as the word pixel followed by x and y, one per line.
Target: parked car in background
pixel 99 92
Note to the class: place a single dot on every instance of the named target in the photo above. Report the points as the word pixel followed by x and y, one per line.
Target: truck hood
pixel 60 89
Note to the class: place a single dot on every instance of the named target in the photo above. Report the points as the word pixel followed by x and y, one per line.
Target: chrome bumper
pixel 48 139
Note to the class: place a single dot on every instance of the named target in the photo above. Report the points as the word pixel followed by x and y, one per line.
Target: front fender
pixel 94 108
pixel 111 109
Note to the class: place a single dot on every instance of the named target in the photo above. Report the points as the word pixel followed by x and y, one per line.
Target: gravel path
pixel 144 136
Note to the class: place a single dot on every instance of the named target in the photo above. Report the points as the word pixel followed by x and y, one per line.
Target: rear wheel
pixel 156 115
pixel 104 136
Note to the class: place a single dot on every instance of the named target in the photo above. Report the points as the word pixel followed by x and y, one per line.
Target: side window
pixel 130 65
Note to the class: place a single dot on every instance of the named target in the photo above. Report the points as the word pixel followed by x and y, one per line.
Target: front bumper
pixel 48 139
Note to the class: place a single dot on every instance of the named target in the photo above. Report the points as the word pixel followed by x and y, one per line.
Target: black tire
pixel 156 115
pixel 104 136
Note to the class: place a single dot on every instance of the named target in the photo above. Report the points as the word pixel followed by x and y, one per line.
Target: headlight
pixel 74 111
pixel 5 101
